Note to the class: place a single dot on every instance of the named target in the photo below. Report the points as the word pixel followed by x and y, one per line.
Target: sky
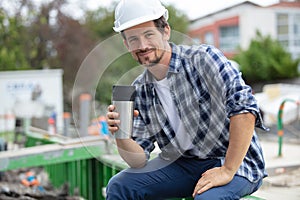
pixel 198 8
pixel 193 8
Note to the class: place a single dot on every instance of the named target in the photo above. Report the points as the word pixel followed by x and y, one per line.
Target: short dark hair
pixel 159 23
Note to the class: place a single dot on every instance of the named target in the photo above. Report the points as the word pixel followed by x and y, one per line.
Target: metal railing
pixel 280 131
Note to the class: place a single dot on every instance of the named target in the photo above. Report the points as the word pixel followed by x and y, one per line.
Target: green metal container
pixel 83 163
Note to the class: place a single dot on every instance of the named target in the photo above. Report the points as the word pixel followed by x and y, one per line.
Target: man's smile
pixel 145 52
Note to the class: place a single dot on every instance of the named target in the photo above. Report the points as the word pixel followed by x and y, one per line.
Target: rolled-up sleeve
pixel 240 98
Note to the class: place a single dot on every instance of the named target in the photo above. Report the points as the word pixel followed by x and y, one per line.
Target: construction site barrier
pixel 83 163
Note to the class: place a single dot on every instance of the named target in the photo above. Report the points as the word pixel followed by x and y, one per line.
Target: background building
pixel 235 26
pixel 35 95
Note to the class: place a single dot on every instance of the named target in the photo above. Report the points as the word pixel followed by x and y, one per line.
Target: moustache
pixel 145 50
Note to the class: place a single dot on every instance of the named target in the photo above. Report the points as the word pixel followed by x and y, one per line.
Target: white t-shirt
pixel 163 90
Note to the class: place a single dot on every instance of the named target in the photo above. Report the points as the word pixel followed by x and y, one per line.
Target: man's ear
pixel 167 33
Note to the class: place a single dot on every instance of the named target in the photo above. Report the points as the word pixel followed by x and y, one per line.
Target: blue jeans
pixel 161 179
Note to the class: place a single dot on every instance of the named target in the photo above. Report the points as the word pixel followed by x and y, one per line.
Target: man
pixel 195 106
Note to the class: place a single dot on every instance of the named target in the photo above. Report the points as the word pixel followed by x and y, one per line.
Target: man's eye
pixel 131 40
pixel 149 35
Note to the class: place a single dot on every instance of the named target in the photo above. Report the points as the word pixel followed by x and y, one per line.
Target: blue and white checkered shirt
pixel 207 90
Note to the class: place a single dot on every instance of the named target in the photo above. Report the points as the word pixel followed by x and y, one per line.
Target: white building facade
pixel 235 26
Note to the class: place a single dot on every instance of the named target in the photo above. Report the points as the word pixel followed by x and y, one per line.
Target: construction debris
pixel 31 184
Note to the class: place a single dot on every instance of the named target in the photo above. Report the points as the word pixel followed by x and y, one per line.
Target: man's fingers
pixel 112 115
pixel 202 189
pixel 112 119
pixel 111 108
pixel 113 122
pixel 203 185
pixel 113 129
pixel 135 113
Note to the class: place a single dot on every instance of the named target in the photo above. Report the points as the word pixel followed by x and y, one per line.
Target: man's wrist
pixel 229 170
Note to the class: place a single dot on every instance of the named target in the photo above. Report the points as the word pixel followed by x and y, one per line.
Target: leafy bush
pixel 266 60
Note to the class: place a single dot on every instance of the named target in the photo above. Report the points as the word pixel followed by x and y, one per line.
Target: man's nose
pixel 143 43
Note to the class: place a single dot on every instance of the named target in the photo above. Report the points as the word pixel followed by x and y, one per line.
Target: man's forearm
pixel 241 132
pixel 132 153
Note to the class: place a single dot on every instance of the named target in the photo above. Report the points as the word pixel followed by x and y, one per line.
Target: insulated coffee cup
pixel 123 99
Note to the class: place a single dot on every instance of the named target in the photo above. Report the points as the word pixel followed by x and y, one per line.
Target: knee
pixel 118 188
pixel 115 184
pixel 200 197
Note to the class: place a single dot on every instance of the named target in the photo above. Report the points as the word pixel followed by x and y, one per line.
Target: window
pixel 229 38
pixel 209 38
pixel 288 32
pixel 283 29
pixel 296 25
pixel 196 40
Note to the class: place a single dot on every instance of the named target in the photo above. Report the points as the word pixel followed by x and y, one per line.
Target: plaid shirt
pixel 206 91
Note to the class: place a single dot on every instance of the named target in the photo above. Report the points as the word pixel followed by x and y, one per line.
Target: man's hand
pixel 214 177
pixel 240 133
pixel 129 150
pixel 113 118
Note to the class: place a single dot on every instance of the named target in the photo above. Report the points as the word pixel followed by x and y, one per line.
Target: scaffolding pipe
pixel 85 101
pixel 280 131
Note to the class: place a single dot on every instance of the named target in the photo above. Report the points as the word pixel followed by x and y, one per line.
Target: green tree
pixel 26 35
pixel 12 52
pixel 178 20
pixel 100 22
pixel 266 60
pixel 36 36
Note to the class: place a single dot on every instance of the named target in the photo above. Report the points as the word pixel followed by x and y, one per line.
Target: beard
pixel 150 62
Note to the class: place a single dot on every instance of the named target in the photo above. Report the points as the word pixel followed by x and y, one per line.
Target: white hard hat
pixel 129 13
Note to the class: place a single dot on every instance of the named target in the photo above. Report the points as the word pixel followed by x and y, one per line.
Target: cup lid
pixel 123 93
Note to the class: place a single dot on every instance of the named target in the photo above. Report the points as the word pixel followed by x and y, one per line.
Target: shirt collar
pixel 175 65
